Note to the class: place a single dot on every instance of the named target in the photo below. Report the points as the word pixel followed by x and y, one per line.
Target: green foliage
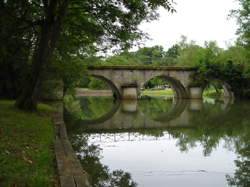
pixel 87 108
pixel 236 54
pixel 14 47
pixel 144 56
pixel 232 74
pixel 158 93
pixel 154 107
pixel 155 82
pixel 71 69
pixel 98 84
pixel 242 14
pixel 40 32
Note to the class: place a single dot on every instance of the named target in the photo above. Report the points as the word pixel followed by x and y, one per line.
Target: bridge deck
pixel 175 68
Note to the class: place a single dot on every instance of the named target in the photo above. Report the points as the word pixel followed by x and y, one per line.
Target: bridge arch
pixel 228 93
pixel 114 87
pixel 178 88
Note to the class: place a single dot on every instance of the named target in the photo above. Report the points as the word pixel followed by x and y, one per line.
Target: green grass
pixel 82 89
pixel 212 93
pixel 208 93
pixel 160 93
pixel 26 146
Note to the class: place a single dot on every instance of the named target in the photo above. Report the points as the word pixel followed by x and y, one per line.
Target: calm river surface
pixel 159 142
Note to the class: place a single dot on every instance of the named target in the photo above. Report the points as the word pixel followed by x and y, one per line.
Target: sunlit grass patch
pixel 165 92
pixel 26 144
pixel 213 93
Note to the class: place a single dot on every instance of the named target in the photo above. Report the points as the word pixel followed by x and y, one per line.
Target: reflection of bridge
pixel 126 81
pixel 128 117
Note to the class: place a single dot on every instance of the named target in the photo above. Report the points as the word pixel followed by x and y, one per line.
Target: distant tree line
pixel 214 65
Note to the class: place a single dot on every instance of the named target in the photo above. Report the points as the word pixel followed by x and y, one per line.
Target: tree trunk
pixel 50 31
pixel 29 97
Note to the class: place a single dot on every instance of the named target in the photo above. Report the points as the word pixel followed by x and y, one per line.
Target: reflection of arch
pixel 115 118
pixel 121 121
pixel 176 110
pixel 184 118
pixel 103 118
pixel 176 85
pixel 110 83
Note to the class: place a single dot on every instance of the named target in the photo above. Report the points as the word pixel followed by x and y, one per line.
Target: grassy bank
pixel 160 93
pixel 26 146
pixel 213 93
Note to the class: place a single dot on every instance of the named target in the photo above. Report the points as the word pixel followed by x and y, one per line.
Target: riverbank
pixel 208 93
pixel 26 142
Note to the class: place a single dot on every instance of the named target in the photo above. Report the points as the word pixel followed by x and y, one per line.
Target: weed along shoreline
pixel 69 168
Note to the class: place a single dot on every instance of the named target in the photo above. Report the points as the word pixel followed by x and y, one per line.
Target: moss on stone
pixel 176 68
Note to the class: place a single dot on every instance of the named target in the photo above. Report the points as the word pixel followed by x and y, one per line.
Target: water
pixel 161 142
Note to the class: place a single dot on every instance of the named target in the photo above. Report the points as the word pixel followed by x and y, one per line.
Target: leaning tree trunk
pixel 50 31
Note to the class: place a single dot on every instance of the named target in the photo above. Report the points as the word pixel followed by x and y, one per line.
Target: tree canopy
pixel 60 30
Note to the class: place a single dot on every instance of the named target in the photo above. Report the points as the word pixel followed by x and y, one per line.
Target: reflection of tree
pixel 211 127
pixel 241 175
pixel 162 110
pixel 100 175
pixel 152 107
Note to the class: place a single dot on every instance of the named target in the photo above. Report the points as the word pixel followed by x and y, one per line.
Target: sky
pixel 198 20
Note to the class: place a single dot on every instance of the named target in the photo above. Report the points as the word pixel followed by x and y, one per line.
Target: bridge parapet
pixel 131 67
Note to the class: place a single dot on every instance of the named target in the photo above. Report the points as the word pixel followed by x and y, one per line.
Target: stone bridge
pixel 126 81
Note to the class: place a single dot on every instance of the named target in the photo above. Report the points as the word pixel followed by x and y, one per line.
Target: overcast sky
pixel 199 20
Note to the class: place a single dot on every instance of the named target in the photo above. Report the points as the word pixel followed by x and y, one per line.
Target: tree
pixel 189 53
pixel 64 27
pixel 15 42
pixel 173 51
pixel 243 19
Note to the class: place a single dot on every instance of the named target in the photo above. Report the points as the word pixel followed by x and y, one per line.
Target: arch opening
pixel 164 86
pixel 95 85
pixel 217 89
